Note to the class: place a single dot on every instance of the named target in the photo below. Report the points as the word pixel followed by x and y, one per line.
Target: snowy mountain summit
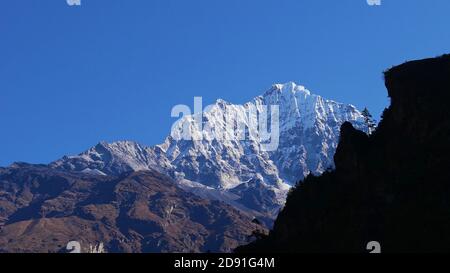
pixel 221 165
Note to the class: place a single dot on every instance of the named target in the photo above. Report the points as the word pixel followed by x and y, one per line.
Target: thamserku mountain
pixel 236 171
pixel 120 193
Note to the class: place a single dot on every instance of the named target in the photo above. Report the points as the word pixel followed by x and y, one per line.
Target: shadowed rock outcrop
pixel 392 187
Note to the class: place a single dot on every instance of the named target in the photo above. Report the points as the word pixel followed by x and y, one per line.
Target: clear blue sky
pixel 112 69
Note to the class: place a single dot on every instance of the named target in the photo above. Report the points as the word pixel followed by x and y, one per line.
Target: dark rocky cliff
pixel 392 187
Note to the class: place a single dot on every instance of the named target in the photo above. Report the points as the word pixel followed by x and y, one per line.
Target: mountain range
pixel 179 196
pixel 233 170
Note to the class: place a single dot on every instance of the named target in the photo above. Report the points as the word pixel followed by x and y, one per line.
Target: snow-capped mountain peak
pixel 219 159
pixel 112 159
pixel 286 88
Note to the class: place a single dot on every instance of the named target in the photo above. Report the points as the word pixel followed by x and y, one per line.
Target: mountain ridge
pixel 309 132
pixel 42 209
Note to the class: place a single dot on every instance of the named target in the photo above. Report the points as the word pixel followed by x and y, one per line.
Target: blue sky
pixel 112 69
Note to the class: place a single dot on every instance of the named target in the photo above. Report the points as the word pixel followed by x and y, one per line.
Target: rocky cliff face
pixel 42 209
pixel 392 187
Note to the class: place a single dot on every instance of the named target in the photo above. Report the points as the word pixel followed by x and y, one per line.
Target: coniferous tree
pixel 368 119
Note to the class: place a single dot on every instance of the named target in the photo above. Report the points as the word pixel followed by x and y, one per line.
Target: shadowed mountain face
pixel 392 187
pixel 42 209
